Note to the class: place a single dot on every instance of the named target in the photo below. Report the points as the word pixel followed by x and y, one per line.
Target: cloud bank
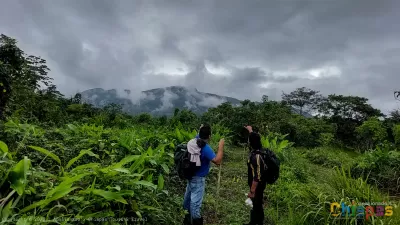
pixel 243 49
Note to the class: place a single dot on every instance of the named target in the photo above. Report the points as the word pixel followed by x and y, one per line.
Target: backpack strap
pixel 261 153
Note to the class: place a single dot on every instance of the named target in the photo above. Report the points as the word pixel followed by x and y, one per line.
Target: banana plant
pixel 275 142
pixel 17 176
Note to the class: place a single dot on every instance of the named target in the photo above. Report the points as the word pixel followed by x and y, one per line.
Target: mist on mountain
pixel 159 101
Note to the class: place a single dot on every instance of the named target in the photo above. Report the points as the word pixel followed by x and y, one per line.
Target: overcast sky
pixel 238 48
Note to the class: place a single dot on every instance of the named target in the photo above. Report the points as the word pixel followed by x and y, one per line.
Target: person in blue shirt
pixel 196 186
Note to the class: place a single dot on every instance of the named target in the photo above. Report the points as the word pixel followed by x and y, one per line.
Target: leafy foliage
pixel 381 166
pixel 396 134
pixel 61 158
pixel 119 184
pixel 371 132
pixel 303 99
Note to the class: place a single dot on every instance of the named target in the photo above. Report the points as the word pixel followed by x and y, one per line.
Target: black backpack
pixel 183 166
pixel 272 164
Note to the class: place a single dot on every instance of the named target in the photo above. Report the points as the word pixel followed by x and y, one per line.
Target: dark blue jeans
pixel 194 196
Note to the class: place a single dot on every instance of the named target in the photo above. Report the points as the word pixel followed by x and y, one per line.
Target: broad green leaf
pixel 82 153
pixel 274 142
pixel 6 211
pixel 71 127
pixel 46 152
pixel 133 175
pixel 165 167
pixel 179 135
pixel 85 166
pixel 160 182
pixel 146 170
pixel 26 220
pixel 126 192
pixel 43 174
pixel 117 187
pixel 149 178
pixel 109 195
pixel 33 190
pixel 124 161
pixel 283 144
pixel 18 175
pixel 138 163
pixel 66 183
pixel 122 170
pixel 3 147
pixel 146 183
pixel 150 151
pixel 61 192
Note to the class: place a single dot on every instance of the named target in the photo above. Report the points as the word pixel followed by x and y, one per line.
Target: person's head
pixel 255 141
pixel 205 132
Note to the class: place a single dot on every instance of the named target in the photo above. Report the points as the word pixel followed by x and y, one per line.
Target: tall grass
pixel 305 191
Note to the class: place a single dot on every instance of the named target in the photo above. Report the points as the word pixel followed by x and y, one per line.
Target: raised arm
pixel 218 159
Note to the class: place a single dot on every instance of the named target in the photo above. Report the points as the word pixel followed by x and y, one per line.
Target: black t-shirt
pixel 255 167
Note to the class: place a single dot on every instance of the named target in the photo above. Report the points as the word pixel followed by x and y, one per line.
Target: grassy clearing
pixel 302 196
pixel 85 171
pixel 228 207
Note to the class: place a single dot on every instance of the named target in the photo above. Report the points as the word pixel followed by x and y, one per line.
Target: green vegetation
pixel 65 162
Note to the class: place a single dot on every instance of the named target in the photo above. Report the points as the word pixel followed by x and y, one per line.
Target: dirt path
pixel 228 207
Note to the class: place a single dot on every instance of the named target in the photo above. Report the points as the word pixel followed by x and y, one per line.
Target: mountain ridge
pixel 158 101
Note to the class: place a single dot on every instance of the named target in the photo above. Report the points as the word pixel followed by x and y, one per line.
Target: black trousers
pixel 257 213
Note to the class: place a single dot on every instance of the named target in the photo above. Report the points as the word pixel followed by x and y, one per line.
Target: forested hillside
pixel 66 162
pixel 157 102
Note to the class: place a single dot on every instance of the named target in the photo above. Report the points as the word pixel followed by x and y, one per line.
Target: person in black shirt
pixel 256 168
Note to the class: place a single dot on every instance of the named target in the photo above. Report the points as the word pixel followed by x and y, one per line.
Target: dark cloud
pixel 260 47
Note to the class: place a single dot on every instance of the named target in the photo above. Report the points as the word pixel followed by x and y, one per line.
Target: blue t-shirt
pixel 207 154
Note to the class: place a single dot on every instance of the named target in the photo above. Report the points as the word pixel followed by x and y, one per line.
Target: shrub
pixel 371 132
pixel 326 139
pixel 87 171
pixel 396 134
pixel 308 132
pixel 381 166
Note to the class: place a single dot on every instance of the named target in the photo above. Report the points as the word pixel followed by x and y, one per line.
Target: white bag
pixel 249 202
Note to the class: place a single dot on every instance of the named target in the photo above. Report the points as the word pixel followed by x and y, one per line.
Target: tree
pixel 395 116
pixel 347 112
pixel 371 132
pixel 348 107
pixel 46 105
pixel 24 75
pixel 77 99
pixel 5 90
pixel 303 99
pixel 397 95
pixel 264 98
pixel 176 111
pixel 144 118
pixel 396 134
pixel 25 70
